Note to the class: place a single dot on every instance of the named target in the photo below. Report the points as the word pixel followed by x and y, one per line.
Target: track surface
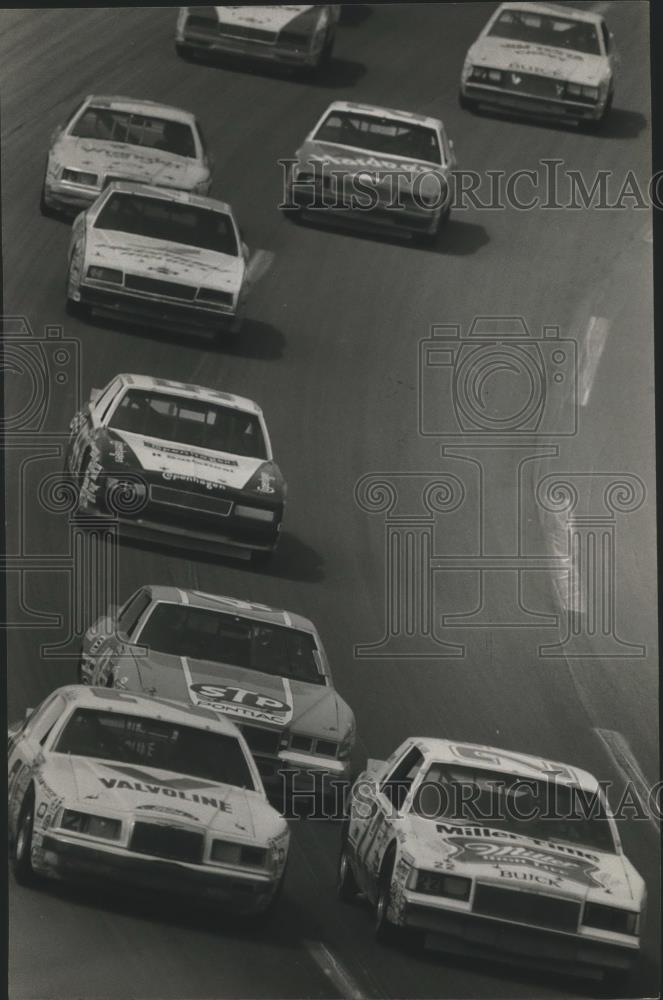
pixel 330 352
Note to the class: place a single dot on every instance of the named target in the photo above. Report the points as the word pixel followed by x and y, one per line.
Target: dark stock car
pixel 178 462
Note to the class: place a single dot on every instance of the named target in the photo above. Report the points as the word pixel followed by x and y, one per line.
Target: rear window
pixel 132 129
pixel 175 222
pixel 380 135
pixel 191 422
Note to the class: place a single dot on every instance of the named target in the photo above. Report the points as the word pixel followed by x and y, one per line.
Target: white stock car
pixel 160 257
pixel 298 35
pixel 490 853
pixel 115 138
pixel 542 60
pixel 374 167
pixel 182 463
pixel 109 785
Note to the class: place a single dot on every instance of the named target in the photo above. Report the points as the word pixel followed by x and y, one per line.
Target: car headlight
pixel 254 513
pixel 79 177
pixel 226 852
pixel 438 884
pixel 495 75
pixel 610 918
pixel 574 89
pixel 91 825
pixel 105 274
pixel 215 295
pixel 478 73
pixel 591 92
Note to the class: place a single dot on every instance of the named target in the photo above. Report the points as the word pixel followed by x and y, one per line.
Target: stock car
pixel 542 60
pixel 297 35
pixel 107 139
pixel 165 258
pixel 489 853
pixel 108 785
pixel 180 463
pixel 374 166
pixel 265 669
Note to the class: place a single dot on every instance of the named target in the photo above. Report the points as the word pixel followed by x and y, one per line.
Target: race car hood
pixel 272 18
pixel 125 162
pixel 178 465
pixel 351 161
pixel 510 860
pixel 245 695
pixel 162 259
pixel 151 793
pixel 544 60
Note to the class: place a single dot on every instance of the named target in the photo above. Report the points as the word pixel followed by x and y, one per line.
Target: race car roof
pixel 188 391
pixel 555 10
pixel 133 106
pixel 490 758
pixel 170 194
pixel 376 109
pixel 243 609
pixel 111 700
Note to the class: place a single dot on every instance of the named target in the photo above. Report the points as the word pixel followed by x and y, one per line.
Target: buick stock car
pixel 110 785
pixel 488 853
pixel 374 167
pixel 115 138
pixel 264 669
pixel 160 257
pixel 178 463
pixel 296 35
pixel 542 60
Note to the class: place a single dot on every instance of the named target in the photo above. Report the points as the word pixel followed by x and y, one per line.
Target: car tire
pixel 261 557
pixel 347 889
pixel 595 126
pixel 22 860
pixel 46 210
pixel 267 915
pixel 467 103
pixel 430 239
pixel 79 310
pixel 185 52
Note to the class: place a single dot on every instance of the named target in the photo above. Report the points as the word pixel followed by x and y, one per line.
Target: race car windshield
pixel 158 219
pixel 167 746
pixel 380 135
pixel 539 808
pixel 109 125
pixel 192 422
pixel 545 29
pixel 205 634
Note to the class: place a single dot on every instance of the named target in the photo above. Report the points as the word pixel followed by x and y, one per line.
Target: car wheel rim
pixel 22 838
pixel 343 869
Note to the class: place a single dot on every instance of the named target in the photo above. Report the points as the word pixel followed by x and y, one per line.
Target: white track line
pixel 590 355
pixel 627 765
pixel 334 970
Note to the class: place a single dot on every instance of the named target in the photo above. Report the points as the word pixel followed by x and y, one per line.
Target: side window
pixel 399 782
pixel 132 611
pixel 42 721
pixel 606 36
pixel 106 399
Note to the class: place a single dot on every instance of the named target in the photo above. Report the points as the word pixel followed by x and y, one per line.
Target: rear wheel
pixel 22 861
pixel 346 884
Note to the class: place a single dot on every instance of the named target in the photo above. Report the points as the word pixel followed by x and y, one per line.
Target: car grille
pixel 170 842
pixel 190 501
pixel 157 287
pixel 261 740
pixel 526 907
pixel 250 34
pixel 534 85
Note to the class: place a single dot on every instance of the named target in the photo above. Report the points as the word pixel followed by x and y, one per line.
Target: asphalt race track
pixel 330 350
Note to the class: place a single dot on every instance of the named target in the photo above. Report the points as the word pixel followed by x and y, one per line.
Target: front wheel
pixel 467 103
pixel 22 862
pixel 79 310
pixel 385 931
pixel 184 51
pixel 346 885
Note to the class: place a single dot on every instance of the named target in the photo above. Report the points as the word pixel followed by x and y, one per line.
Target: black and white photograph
pixel 330 547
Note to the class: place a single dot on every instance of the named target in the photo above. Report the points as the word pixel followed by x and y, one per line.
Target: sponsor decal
pixel 118 452
pixel 503 760
pixel 172 477
pixel 169 810
pixel 368 161
pixel 265 485
pixel 238 701
pixel 197 456
pixel 120 785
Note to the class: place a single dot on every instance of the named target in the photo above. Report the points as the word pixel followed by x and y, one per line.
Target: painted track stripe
pixel 590 355
pixel 334 970
pixel 628 767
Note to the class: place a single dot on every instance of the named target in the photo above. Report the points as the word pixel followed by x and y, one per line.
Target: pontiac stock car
pixel 265 669
pixel 490 853
pixel 374 166
pixel 114 138
pixel 183 463
pixel 297 35
pixel 108 785
pixel 165 258
pixel 542 60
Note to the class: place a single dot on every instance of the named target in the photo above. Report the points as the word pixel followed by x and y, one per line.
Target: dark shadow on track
pixel 354 14
pixel 457 238
pixel 618 124
pixel 338 72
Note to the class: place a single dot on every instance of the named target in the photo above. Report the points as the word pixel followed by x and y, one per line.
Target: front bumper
pixel 66 197
pixel 214 41
pixel 72 860
pixel 532 105
pixel 478 936
pixel 153 310
pixel 306 772
pixel 383 217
